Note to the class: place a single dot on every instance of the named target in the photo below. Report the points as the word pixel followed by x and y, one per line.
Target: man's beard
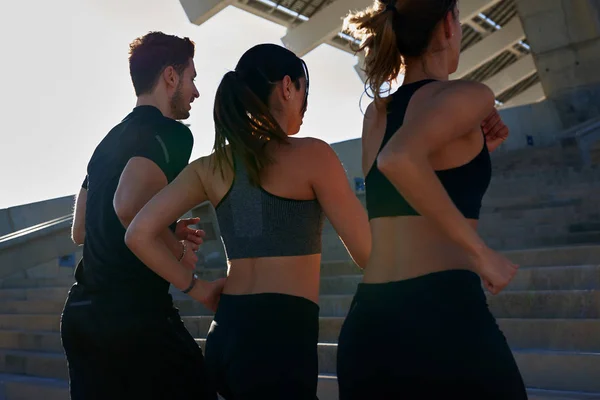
pixel 178 104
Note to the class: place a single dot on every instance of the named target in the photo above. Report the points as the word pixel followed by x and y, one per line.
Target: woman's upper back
pixel 280 217
pixel 463 167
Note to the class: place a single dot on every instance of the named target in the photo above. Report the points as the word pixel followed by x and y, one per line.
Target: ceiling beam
pixel 532 95
pixel 490 47
pixel 200 11
pixel 325 24
pixel 469 9
pixel 511 75
pixel 306 36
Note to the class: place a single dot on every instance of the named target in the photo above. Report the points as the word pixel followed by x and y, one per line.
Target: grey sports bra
pixel 256 223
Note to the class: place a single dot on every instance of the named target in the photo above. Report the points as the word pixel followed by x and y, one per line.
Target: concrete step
pixel 533 278
pixel 55 306
pixel 508 304
pixel 553 370
pixel 67 282
pixel 552 256
pixel 556 256
pixel 18 387
pixel 39 293
pixel 547 334
pixel 21 387
pixel 30 322
pixel 523 192
pixel 42 341
pixel 552 334
pixel 32 307
pixel 515 242
pixel 337 262
pixel 546 304
pixel 561 371
pixel 37 282
pixel 542 394
pixel 549 181
pixel 33 363
pixel 578 277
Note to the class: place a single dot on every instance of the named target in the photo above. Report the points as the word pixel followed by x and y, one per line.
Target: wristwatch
pixel 192 283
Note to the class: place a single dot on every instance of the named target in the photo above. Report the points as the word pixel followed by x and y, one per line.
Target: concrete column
pixel 565 40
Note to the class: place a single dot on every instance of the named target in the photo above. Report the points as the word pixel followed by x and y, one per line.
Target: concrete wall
pixel 23 216
pixel 350 154
pixel 539 121
pixel 51 269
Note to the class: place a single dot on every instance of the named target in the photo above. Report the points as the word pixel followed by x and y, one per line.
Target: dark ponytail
pixel 241 112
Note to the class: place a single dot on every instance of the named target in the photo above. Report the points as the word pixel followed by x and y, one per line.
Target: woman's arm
pixel 339 202
pixel 452 112
pixel 144 233
pixel 141 180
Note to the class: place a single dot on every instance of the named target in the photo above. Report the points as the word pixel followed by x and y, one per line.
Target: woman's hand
pixel 208 293
pixel 496 270
pixel 495 130
pixel 184 232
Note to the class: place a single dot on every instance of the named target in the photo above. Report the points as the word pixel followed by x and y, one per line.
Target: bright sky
pixel 66 83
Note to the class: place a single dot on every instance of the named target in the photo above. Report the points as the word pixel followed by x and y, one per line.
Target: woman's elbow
pixel 389 161
pixel 133 238
pixel 363 259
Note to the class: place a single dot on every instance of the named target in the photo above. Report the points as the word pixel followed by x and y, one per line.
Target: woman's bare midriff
pixel 410 246
pixel 295 276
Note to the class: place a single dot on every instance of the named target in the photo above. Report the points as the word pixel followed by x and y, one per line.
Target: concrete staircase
pixel 538 197
pixel 541 197
pixel 550 315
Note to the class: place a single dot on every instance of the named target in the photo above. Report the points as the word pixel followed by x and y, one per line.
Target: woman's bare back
pixel 298 172
pixel 408 246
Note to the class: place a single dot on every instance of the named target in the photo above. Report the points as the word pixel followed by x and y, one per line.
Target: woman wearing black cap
pixel 271 192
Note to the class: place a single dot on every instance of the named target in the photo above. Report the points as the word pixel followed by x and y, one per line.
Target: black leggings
pixel 128 347
pixel 425 338
pixel 264 346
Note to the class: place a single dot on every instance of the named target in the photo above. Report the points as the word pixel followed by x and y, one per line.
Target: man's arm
pixel 78 227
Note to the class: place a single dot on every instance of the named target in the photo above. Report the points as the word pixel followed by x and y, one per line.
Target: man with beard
pixel 121 334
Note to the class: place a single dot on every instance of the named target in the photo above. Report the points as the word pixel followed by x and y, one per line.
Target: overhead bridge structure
pixel 494 49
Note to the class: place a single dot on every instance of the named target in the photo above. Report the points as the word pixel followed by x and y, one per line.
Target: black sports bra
pixel 466 185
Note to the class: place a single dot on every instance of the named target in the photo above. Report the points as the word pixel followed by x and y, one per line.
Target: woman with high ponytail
pixel 271 192
pixel 419 326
